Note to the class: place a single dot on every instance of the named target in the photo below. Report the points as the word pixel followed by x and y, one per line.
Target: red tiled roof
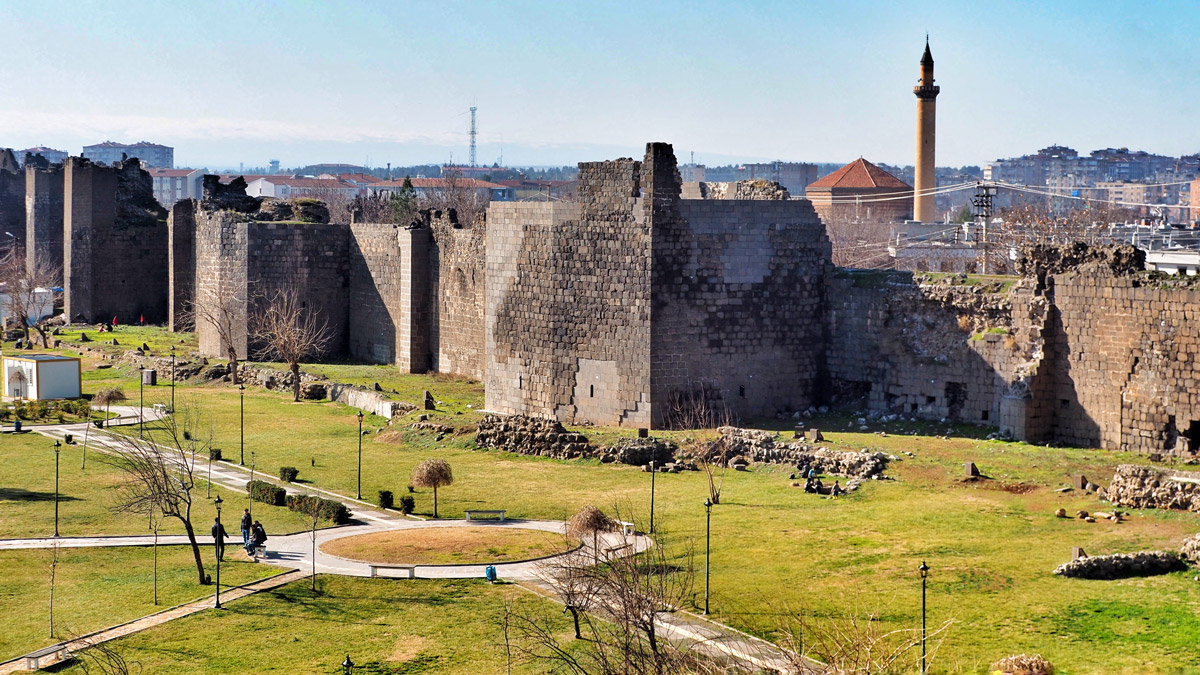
pixel 860 174
pixel 428 183
pixel 171 172
pixel 331 183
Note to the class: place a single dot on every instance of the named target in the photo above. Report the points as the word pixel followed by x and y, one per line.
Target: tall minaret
pixel 925 205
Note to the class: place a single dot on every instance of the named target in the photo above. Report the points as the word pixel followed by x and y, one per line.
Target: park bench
pixel 409 570
pixel 56 653
pixel 485 512
pixel 260 551
pixel 608 552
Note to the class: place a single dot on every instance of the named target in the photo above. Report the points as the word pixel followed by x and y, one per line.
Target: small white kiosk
pixel 41 377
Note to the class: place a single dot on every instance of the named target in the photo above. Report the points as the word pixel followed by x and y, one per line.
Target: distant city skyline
pixel 227 83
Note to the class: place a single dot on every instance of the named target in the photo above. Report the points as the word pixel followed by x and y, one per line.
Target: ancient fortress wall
pixel 44 213
pixel 457 295
pixel 115 261
pixel 12 205
pixel 181 261
pixel 221 280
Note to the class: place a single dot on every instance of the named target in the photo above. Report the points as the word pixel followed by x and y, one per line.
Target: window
pixel 592 390
pixel 742 392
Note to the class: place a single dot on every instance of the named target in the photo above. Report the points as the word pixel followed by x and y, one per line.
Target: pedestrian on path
pixel 218 534
pixel 258 538
pixel 246 522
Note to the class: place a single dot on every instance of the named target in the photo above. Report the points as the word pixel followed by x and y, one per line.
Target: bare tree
pixel 29 285
pixel 158 472
pixel 590 521
pixel 461 195
pixel 574 585
pixel 433 473
pixel 628 596
pixel 95 655
pixel 854 643
pixel 284 329
pixel 107 397
pixel 713 457
pixel 223 312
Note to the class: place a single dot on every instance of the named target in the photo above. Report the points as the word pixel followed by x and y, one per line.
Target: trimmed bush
pixel 385 499
pixel 214 454
pixel 407 505
pixel 288 474
pixel 326 509
pixel 69 439
pixel 262 491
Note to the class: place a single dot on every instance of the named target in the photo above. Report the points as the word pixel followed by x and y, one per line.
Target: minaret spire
pixel 924 203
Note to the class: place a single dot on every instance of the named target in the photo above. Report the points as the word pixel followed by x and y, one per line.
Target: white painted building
pixel 173 185
pixel 43 301
pixel 286 187
pixel 1174 262
pixel 41 377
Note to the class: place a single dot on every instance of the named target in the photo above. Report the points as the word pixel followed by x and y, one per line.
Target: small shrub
pixel 326 509
pixel 61 419
pixel 214 454
pixel 407 504
pixel 187 436
pixel 411 489
pixel 262 491
pixel 1024 664
pixel 385 499
pixel 69 439
pixel 5 415
pixel 964 322
pixel 288 474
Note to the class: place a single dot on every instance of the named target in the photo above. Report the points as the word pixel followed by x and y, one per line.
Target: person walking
pixel 218 535
pixel 246 523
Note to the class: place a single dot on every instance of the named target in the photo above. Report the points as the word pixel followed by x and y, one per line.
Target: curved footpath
pixel 294 553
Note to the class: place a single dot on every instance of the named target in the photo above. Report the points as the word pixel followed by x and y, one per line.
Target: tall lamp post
pixel 924 570
pixel 141 401
pixel 242 414
pixel 652 472
pixel 360 418
pixel 707 547
pixel 217 503
pixel 172 378
pixel 57 448
pixel 249 496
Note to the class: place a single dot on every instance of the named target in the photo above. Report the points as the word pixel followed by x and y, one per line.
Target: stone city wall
pixel 44 214
pixel 458 293
pixel 12 201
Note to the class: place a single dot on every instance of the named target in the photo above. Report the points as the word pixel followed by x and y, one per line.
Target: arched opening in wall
pixel 956 397
pixel 741 392
pixel 16 385
pixel 1171 434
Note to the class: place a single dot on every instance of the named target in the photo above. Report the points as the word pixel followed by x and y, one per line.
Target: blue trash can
pixel 489 573
pixel 17 425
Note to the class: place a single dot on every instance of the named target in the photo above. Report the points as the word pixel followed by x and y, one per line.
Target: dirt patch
pixel 448 546
pixel 407 648
pixel 989 484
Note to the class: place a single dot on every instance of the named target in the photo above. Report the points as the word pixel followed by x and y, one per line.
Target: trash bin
pixel 17 425
pixel 489 573
pixel 150 377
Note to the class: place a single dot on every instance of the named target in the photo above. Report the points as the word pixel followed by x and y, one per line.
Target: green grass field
pixel 775 550
pixel 96 587
pixel 445 627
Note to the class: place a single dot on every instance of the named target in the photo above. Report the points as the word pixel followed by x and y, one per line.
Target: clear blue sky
pixel 559 82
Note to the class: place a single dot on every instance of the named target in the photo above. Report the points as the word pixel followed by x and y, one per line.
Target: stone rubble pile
pixel 1191 549
pixel 1122 565
pixel 1145 487
pixel 762 447
pixel 531 436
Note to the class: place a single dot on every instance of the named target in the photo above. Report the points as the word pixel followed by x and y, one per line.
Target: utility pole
pixel 981 205
pixel 473 134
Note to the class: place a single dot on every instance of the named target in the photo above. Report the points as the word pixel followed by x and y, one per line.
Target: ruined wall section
pixel 181 251
pixel 115 256
pixel 940 350
pixel 458 295
pixel 44 214
pixel 568 303
pixel 221 243
pixel 1125 362
pixel 312 259
pixel 12 203
pixel 389 291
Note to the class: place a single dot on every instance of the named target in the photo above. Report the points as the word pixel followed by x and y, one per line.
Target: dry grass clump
pixel 1024 664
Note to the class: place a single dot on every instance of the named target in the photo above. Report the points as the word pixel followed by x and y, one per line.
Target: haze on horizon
pixel 303 82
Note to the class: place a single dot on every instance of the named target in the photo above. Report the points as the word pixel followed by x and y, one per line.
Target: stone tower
pixel 924 182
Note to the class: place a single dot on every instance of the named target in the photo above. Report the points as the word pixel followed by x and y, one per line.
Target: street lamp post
pixel 172 378
pixel 57 448
pixel 360 418
pixel 141 402
pixel 707 547
pixel 249 495
pixel 652 472
pixel 242 407
pixel 924 570
pixel 216 552
pixel 347 666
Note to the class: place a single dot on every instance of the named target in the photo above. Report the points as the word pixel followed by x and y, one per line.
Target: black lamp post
pixel 172 378
pixel 924 570
pixel 652 472
pixel 216 552
pixel 347 666
pixel 360 418
pixel 707 547
pixel 141 402
pixel 242 406
pixel 249 496
pixel 57 448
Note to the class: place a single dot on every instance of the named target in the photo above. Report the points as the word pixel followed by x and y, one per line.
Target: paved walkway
pixel 294 552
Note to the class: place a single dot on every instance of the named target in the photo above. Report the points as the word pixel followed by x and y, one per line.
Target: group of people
pixel 253 535
pixel 813 485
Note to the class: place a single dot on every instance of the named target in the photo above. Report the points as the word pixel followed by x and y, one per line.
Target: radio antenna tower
pixel 473 132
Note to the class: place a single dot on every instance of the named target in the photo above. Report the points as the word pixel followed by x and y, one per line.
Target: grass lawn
pixel 425 626
pixel 86 496
pixel 99 587
pixel 447 545
pixel 455 393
